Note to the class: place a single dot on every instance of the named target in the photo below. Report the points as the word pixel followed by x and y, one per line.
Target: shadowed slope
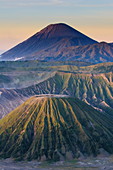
pixel 60 42
pixel 9 100
pixel 55 34
pixel 95 53
pixel 54 127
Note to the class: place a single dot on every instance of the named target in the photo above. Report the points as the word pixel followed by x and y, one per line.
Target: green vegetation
pixel 97 90
pixel 22 74
pixel 83 82
pixel 54 128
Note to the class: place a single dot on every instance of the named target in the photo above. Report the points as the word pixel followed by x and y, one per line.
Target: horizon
pixel 20 20
pixel 2 51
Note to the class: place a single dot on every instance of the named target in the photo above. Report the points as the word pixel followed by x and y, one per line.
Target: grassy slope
pixel 96 90
pixel 93 84
pixel 54 128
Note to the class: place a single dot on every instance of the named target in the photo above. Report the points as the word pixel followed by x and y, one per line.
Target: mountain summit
pixel 55 35
pixel 60 42
pixel 60 30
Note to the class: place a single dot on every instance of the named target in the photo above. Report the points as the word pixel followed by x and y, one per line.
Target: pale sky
pixel 19 19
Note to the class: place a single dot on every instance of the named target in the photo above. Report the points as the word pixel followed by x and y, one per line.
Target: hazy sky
pixel 20 19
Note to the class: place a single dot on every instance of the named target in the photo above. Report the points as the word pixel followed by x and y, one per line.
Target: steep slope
pixel 9 100
pixel 60 35
pixel 95 53
pixel 54 127
pixel 94 89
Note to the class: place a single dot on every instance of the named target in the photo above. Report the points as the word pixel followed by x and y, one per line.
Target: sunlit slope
pixel 93 69
pixel 95 89
pixel 54 128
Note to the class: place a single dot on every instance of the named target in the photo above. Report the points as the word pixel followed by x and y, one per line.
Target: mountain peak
pixel 60 30
pixel 58 25
pixel 59 35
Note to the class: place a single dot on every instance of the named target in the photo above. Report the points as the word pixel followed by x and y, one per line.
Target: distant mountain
pixel 55 35
pixel 95 53
pixel 54 127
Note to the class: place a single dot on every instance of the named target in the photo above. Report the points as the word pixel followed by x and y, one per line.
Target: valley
pixel 90 83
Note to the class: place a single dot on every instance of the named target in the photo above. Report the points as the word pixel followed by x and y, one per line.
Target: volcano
pixel 54 127
pixel 55 35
